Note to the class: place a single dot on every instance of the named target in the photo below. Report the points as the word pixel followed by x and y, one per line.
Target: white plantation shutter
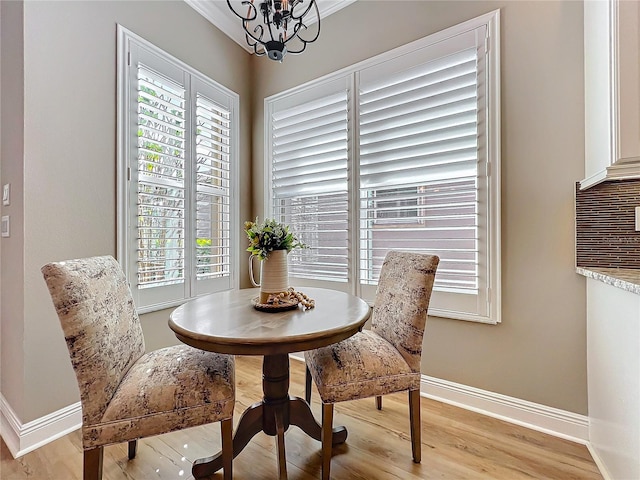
pixel 176 208
pixel 419 162
pixel 213 189
pixel 421 175
pixel 309 181
pixel 161 180
pixel 423 182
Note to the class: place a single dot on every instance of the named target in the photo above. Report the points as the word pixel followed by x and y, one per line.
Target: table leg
pixel 301 416
pixel 273 416
pixel 250 424
pixel 282 455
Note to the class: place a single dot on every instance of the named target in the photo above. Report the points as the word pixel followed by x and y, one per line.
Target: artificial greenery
pixel 268 236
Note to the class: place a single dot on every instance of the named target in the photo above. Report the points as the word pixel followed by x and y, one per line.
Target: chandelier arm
pixel 249 35
pixel 253 42
pixel 259 31
pixel 296 29
pixel 296 52
pixel 252 14
pixel 252 10
pixel 258 53
pixel 299 26
pixel 304 43
pixel 250 41
pixel 295 34
pixel 312 3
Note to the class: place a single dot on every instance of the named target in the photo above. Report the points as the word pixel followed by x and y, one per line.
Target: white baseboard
pixel 556 422
pixel 9 427
pixel 599 463
pixel 553 421
pixel 24 438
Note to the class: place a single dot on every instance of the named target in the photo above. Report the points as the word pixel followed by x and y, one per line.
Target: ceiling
pixel 218 13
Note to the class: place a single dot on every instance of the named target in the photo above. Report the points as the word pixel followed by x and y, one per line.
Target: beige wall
pixel 11 153
pixel 69 165
pixel 538 353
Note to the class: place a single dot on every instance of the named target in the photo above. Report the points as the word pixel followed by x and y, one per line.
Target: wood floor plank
pixel 456 444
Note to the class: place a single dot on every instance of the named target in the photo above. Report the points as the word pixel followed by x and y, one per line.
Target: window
pixel 178 156
pixel 398 152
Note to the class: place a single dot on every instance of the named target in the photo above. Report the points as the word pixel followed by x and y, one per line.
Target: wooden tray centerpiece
pixel 282 301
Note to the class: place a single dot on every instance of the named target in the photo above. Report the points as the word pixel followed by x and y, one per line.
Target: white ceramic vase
pixel 274 274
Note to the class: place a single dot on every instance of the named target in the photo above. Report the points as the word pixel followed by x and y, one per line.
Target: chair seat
pixel 361 366
pixel 166 390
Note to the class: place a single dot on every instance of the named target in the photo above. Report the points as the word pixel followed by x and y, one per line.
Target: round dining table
pixel 227 322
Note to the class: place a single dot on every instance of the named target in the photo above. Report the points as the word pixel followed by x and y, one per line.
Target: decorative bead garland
pixel 283 298
pixel 303 299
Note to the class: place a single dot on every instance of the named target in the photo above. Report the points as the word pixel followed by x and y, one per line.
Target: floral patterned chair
pixel 126 393
pixel 385 359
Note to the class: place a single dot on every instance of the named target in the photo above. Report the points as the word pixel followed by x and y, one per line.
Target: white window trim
pixel 493 212
pixel 123 255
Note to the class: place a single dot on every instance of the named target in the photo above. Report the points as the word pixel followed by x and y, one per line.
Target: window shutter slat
pixel 307 126
pixel 313 143
pixel 312 158
pixel 312 109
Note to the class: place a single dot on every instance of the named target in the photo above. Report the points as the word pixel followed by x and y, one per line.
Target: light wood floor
pixel 456 444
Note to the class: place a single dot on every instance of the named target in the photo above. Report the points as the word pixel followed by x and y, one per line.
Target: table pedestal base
pixel 273 416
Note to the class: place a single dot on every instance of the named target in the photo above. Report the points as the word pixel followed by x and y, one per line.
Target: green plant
pixel 268 236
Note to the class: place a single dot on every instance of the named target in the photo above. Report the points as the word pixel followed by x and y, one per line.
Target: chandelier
pixel 275 27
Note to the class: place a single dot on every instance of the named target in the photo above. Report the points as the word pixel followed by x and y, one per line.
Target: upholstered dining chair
pixel 384 359
pixel 125 393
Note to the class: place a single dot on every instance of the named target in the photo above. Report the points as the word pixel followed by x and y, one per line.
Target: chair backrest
pixel 100 324
pixel 402 300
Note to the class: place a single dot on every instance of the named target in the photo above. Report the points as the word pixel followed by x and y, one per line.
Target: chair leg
pixel 326 439
pixel 307 385
pixel 379 402
pixel 226 428
pixel 93 464
pixel 414 419
pixel 133 449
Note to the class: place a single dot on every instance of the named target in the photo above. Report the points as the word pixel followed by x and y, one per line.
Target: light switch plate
pixel 6 194
pixel 5 226
pixel 637 219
